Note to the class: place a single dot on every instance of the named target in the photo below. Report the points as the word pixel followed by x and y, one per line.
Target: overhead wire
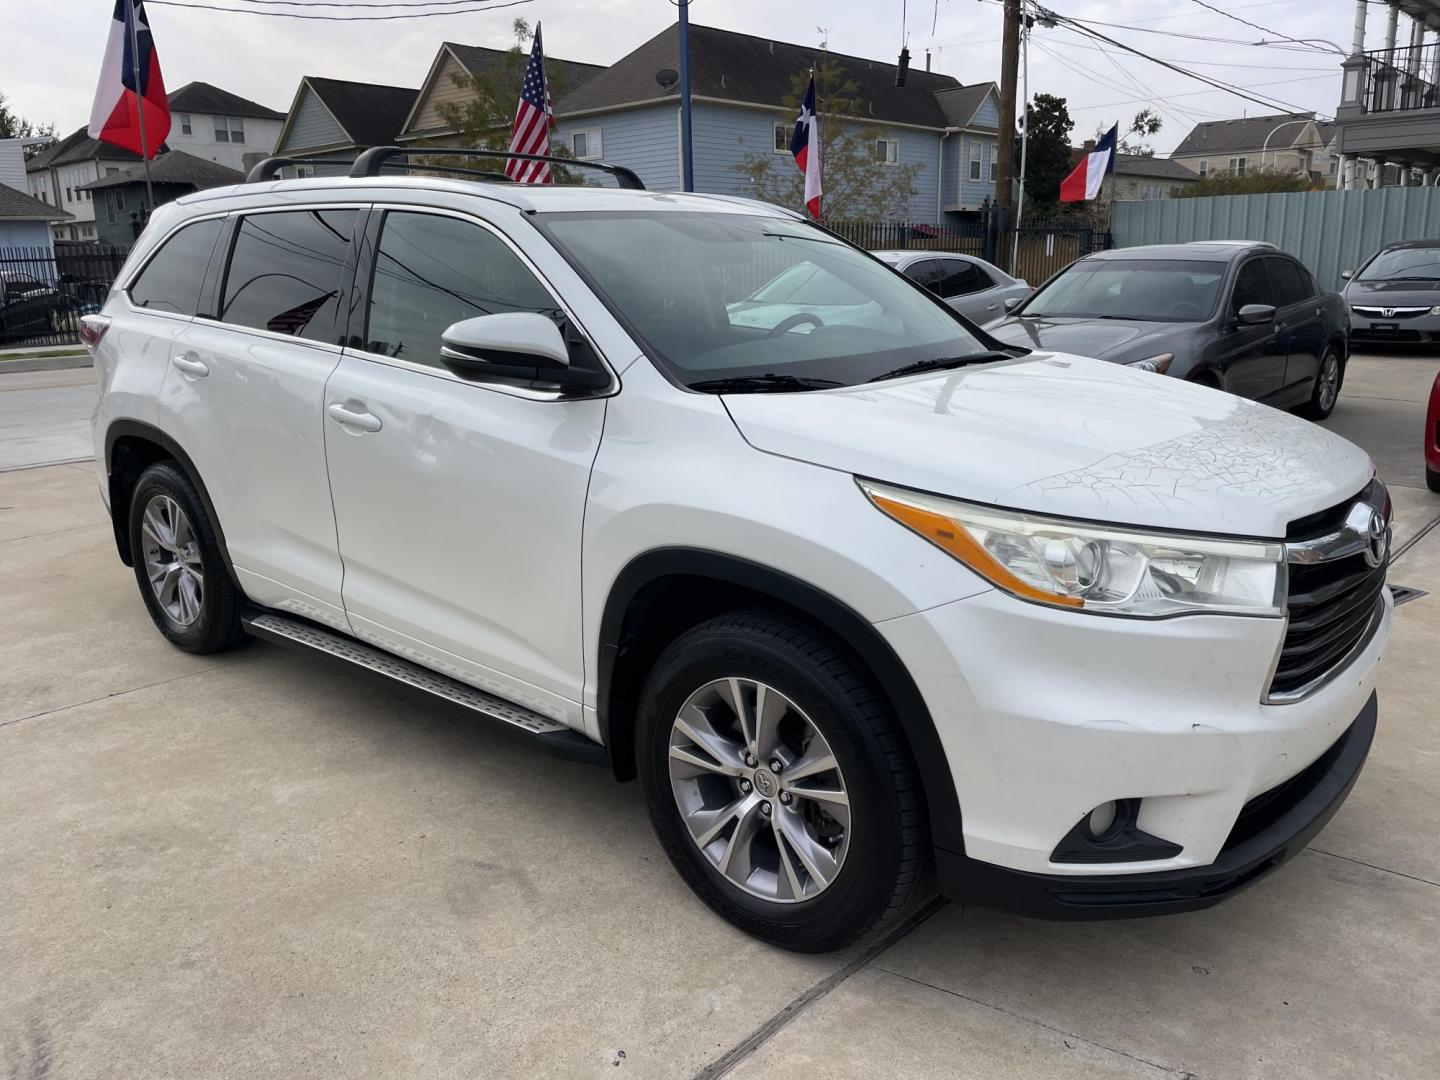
pixel 341 18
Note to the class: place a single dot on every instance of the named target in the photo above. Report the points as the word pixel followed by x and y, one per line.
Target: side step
pixel 557 738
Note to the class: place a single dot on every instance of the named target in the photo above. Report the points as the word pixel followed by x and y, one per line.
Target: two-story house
pixel 1283 142
pixel 334 118
pixel 628 113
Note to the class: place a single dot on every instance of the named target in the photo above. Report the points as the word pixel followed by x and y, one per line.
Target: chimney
pixel 1089 146
pixel 927 59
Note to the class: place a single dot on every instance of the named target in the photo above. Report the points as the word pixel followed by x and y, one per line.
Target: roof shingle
pixel 18 206
pixel 371 114
pixel 175 167
pixel 200 97
pixel 1247 133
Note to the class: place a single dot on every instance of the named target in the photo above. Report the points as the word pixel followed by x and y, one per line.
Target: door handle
pixel 992 307
pixel 190 364
pixel 363 420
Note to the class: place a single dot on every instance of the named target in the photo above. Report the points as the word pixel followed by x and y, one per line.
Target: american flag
pixel 533 119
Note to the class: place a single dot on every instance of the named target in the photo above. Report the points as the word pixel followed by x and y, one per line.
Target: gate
pixel 1044 250
pixel 43 293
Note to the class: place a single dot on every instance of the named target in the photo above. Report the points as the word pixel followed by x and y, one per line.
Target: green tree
pixel 14 126
pixel 1251 182
pixel 858 186
pixel 485 117
pixel 1047 153
pixel 1145 124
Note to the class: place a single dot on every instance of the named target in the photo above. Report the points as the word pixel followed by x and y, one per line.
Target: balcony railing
pixel 1398 80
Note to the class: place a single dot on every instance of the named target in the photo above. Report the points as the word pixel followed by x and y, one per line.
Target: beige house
pixel 1284 142
pixel 1142 176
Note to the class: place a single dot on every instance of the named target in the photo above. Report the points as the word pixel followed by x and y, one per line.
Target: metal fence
pixel 1329 231
pixel 44 292
pixel 1401 79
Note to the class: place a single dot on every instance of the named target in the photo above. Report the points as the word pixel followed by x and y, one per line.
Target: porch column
pixel 1403 179
pixel 1392 23
pixel 1417 42
pixel 1357 44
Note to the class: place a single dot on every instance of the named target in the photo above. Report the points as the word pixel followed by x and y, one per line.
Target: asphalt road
pixel 252 864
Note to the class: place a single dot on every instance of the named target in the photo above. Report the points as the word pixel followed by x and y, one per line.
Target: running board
pixel 297 633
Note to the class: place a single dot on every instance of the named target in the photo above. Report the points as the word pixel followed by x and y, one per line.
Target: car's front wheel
pixel 778 783
pixel 178 565
pixel 1326 390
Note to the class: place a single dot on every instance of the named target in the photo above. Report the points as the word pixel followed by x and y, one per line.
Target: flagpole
pixel 687 164
pixel 1024 133
pixel 140 106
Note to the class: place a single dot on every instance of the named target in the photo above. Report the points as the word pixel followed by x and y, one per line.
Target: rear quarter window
pixel 286 270
pixel 172 279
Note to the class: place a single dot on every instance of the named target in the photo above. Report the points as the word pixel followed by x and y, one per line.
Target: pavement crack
pixel 771 1027
pixel 1372 866
pixel 52 532
pixel 106 697
pixel 1419 535
pixel 1166 1069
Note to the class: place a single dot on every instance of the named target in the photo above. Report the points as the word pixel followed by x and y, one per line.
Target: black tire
pixel 1432 478
pixel 217 625
pixel 1317 408
pixel 886 864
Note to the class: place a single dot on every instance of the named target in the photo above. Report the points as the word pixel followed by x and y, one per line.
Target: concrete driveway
pixel 256 865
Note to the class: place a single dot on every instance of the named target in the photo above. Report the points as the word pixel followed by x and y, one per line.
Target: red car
pixel 1432 437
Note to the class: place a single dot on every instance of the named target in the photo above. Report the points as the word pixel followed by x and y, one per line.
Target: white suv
pixel 856 603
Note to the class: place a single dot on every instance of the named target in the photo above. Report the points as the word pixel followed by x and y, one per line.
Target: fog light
pixel 1100 820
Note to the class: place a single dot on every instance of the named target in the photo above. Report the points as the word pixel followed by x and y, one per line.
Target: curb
pixel 47 363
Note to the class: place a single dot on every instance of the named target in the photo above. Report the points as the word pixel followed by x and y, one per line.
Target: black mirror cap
pixel 1255 314
pixel 475 366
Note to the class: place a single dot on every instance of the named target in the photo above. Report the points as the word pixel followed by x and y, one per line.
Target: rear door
pixel 1251 356
pixel 925 272
pixel 969 290
pixel 1299 321
pixel 245 398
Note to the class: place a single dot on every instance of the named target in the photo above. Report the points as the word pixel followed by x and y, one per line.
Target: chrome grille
pixel 1389 313
pixel 1335 599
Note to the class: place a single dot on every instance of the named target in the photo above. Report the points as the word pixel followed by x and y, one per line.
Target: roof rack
pixel 373 160
pixel 264 170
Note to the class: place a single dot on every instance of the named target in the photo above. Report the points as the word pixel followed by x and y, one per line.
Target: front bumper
pixel 1419 328
pixel 1272 828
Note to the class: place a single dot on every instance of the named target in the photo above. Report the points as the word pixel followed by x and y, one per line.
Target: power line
pixel 1247 22
pixel 1188 93
pixel 339 18
pixel 1206 63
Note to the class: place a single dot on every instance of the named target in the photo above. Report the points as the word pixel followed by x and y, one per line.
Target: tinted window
pixel 285 272
pixel 171 281
pixel 1285 278
pixel 433 271
pixel 959 277
pixel 926 272
pixel 1140 289
pixel 1404 264
pixel 1252 286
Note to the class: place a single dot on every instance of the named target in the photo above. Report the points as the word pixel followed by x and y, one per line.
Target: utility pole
pixel 687 162
pixel 1005 144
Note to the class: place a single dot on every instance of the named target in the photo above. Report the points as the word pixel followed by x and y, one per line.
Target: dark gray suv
pixel 1241 316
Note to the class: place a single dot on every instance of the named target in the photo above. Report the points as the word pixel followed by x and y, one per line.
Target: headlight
pixel 1095 568
pixel 1158 364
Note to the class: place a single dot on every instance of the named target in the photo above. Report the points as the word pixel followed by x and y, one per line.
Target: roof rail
pixel 373 160
pixel 264 170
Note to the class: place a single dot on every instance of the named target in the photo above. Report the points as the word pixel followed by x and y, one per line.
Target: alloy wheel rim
pixel 172 560
pixel 1329 382
pixel 759 790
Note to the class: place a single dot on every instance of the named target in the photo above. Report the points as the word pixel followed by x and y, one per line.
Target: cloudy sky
pixel 52 51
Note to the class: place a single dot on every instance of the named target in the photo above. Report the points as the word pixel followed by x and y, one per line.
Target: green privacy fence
pixel 1329 231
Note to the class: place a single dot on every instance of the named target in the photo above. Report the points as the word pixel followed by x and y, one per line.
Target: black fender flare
pixel 119 519
pixel 858 635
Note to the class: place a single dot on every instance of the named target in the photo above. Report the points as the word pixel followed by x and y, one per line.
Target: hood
pixel 1104 339
pixel 1073 437
pixel 1393 293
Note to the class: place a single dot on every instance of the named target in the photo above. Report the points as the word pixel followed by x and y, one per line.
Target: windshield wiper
pixel 769 383
pixel 1407 277
pixel 940 363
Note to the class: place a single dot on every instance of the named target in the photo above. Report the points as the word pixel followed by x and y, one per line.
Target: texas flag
pixel 805 145
pixel 130 86
pixel 1084 183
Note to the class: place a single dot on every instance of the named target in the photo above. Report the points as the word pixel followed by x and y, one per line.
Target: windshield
pixel 1140 289
pixel 721 296
pixel 1404 264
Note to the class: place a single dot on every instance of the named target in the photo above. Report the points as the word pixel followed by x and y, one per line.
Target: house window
pixel 585 145
pixel 229 129
pixel 1151 191
pixel 887 151
pixel 1237 166
pixel 185 123
pixel 119 198
pixel 783 134
pixel 974 161
pixel 994 169
pixel 69 195
pixel 110 206
pixel 1204 168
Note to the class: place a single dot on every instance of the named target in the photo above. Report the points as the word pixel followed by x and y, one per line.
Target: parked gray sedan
pixel 1395 295
pixel 971 286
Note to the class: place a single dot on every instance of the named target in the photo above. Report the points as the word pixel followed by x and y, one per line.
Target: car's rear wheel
pixel 1326 390
pixel 178 565
pixel 778 783
pixel 1432 478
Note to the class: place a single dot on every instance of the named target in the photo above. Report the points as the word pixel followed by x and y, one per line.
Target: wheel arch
pixel 131 446
pixel 663 592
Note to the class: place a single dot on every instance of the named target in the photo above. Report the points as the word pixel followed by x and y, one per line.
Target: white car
pixel 854 604
pixel 979 290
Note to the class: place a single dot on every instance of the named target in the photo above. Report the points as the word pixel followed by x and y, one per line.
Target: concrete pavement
pixel 45 416
pixel 254 864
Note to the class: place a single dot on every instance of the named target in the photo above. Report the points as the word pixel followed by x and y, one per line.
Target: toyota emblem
pixel 1377 539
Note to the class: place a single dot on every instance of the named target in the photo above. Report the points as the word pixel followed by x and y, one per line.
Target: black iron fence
pixel 44 292
pixel 1398 80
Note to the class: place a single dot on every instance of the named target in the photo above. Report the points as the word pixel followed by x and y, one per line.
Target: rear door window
pixel 959 278
pixel 172 279
pixel 432 271
pixel 1252 286
pixel 1285 277
pixel 285 273
pixel 925 272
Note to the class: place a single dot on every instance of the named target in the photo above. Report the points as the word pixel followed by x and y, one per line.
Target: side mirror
pixel 1346 275
pixel 1255 314
pixel 1011 303
pixel 517 346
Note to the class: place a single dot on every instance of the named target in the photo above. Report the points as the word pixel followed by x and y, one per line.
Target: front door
pixel 1251 356
pixel 459 505
pixel 1300 323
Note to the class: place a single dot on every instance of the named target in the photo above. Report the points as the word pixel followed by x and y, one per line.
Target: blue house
pixel 627 115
